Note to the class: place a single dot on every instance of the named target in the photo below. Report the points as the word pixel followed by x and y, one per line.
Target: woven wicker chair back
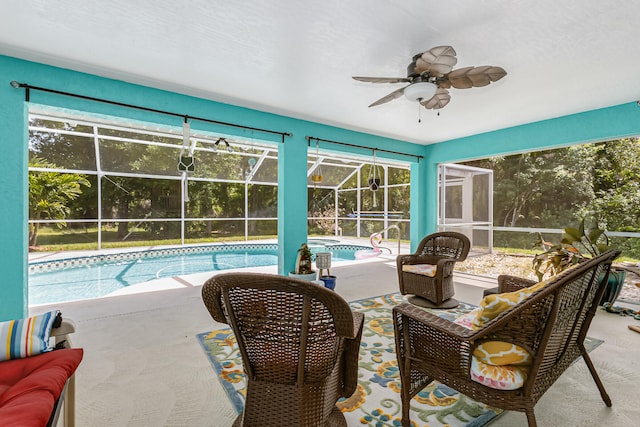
pixel 445 244
pixel 299 345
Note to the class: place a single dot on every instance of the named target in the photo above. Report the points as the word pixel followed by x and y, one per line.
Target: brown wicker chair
pixel 551 324
pixel 443 250
pixel 299 344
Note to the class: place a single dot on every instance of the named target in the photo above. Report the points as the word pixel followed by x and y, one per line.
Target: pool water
pixel 97 276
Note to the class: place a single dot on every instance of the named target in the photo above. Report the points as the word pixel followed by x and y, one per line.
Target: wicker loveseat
pixel 438 252
pixel 551 324
pixel 299 344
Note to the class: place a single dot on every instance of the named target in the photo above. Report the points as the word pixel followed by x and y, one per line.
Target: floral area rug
pixel 377 399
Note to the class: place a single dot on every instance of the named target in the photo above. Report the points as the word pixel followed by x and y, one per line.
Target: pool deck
pixel 143 364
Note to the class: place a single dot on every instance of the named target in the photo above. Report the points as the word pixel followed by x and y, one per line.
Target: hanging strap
pixel 186 162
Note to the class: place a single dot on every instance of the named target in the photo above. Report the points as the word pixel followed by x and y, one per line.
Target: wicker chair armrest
pixel 507 283
pixel 502 327
pixel 428 346
pixel 62 332
pixel 358 323
pixel 440 325
pixel 211 294
pixel 407 259
pixel 422 259
pixel 445 266
pixel 351 355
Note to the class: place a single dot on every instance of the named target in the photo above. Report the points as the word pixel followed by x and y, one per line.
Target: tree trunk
pixel 123 212
pixel 514 215
pixel 33 234
pixel 208 211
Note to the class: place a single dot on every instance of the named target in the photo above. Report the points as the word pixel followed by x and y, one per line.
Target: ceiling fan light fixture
pixel 420 91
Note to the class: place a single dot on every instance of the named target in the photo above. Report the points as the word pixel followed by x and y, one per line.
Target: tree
pixel 541 189
pixel 598 181
pixel 616 180
pixel 50 193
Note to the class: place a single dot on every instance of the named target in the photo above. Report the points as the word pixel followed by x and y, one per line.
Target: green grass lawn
pixel 54 240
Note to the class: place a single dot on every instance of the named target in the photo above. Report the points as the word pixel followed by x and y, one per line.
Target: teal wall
pixel 292 189
pixel 608 123
pixel 13 197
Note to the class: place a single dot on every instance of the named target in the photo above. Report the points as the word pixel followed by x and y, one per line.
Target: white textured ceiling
pixel 296 57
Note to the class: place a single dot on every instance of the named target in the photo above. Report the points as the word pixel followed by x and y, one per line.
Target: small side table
pixel 323 262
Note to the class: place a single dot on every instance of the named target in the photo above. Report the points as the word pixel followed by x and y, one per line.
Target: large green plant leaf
pixel 572 235
pixel 594 234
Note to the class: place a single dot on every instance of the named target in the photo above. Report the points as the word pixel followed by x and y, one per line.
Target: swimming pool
pixel 99 275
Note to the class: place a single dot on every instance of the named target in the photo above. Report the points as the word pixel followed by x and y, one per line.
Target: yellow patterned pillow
pixel 507 377
pixel 493 305
pixel 500 353
pixel 424 269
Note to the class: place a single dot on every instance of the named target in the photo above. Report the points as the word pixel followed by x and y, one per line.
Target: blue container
pixel 614 286
pixel 329 282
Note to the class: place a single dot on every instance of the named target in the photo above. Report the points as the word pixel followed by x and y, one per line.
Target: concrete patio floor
pixel 143 365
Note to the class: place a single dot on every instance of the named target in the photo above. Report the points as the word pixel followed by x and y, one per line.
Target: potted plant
pixel 316 177
pixel 577 244
pixel 304 267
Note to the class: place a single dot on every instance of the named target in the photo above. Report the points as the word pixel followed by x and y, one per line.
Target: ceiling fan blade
pixel 458 79
pixel 479 76
pixel 438 61
pixel 439 100
pixel 468 77
pixel 382 79
pixel 496 73
pixel 390 97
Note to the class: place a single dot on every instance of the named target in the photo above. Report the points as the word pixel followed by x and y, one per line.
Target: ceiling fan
pixel 431 73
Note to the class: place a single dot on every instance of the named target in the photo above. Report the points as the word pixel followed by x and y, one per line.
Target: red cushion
pixel 30 387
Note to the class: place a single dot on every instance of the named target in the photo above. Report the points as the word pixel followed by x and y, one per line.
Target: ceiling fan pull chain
pixel 419 113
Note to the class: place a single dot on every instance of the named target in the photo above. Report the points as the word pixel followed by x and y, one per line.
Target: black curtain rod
pixel 309 138
pixel 28 87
